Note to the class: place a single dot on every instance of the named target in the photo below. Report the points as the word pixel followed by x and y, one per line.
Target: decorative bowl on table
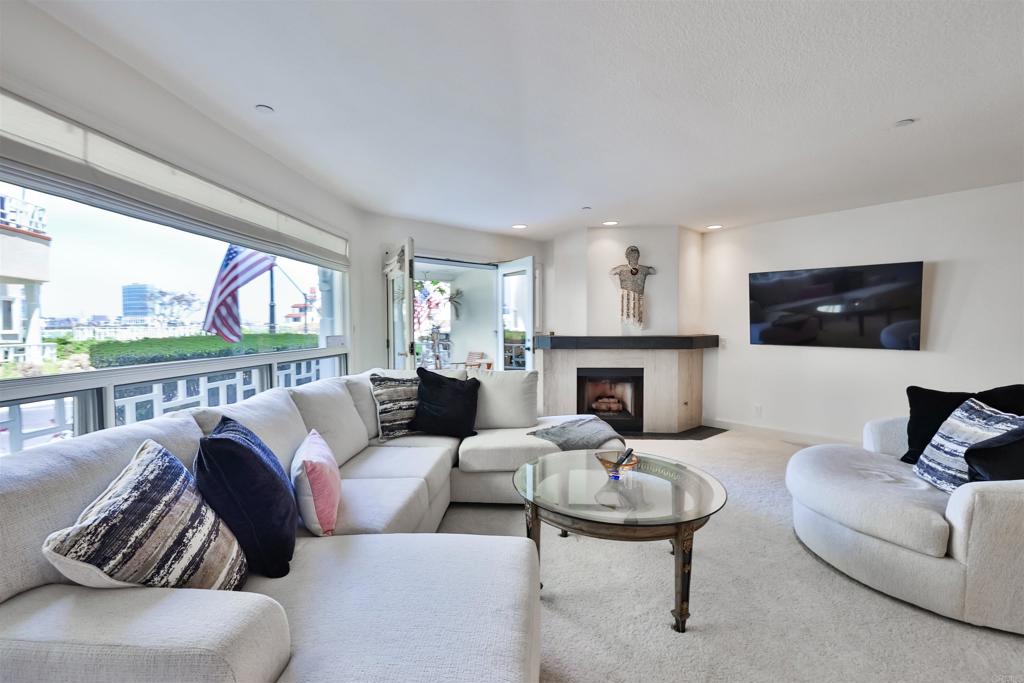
pixel 609 458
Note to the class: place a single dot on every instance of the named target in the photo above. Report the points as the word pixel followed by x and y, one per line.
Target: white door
pixel 398 273
pixel 515 315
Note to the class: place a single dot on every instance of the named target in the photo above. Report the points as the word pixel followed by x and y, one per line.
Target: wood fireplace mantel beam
pixel 661 342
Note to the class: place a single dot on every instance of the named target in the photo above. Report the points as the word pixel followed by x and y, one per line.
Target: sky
pixel 93 252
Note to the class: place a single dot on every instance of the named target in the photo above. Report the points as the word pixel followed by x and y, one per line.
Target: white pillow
pixel 327 407
pixel 362 395
pixel 507 399
pixel 270 414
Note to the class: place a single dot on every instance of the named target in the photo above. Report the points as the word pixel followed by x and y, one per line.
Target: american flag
pixel 240 266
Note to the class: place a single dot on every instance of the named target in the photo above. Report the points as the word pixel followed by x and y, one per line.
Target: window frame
pixel 97 201
pixel 48 152
pixel 41 170
pixel 7 303
pixel 85 416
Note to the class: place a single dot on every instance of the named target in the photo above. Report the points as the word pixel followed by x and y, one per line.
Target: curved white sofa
pixel 381 601
pixel 867 514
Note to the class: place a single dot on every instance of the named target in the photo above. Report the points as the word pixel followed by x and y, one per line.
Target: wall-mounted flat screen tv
pixel 869 307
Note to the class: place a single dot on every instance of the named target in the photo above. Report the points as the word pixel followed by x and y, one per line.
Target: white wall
pixel 476 327
pixel 691 282
pixel 973 323
pixel 606 248
pixel 583 298
pixel 45 62
pixel 565 284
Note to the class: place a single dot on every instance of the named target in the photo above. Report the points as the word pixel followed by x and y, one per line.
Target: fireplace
pixel 616 395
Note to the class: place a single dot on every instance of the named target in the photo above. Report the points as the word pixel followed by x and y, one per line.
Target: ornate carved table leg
pixel 533 528
pixel 683 545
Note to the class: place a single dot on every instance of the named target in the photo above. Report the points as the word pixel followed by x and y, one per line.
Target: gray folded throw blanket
pixel 580 434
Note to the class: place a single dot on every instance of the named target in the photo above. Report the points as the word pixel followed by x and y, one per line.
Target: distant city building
pixel 59 323
pixel 24 267
pixel 138 300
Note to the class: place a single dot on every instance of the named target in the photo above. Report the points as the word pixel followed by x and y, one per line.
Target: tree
pixel 175 306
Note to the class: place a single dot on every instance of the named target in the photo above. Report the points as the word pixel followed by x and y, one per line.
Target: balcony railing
pixel 146 400
pixel 32 424
pixel 38 409
pixel 20 352
pixel 23 215
pixel 515 356
pixel 435 355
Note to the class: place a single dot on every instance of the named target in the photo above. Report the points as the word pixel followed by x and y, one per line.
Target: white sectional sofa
pixel 375 602
pixel 483 464
pixel 866 513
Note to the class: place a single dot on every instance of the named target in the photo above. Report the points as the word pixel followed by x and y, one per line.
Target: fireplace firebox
pixel 616 395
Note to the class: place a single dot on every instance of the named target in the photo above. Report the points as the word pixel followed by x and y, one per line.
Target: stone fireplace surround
pixel 672 371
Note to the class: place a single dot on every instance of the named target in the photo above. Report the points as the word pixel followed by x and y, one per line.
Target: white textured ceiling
pixel 485 114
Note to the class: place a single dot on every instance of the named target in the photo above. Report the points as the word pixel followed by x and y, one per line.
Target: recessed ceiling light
pixel 714 227
pixel 610 223
pixel 264 109
pixel 905 122
pixel 519 226
pixel 584 208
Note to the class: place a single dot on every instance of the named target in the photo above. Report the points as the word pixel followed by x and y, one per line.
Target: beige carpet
pixel 762 607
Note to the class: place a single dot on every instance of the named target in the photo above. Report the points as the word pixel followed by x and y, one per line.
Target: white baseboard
pixel 800 438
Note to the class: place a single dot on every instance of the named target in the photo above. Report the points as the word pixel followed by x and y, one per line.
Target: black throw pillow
pixel 997 459
pixel 242 480
pixel 930 408
pixel 445 406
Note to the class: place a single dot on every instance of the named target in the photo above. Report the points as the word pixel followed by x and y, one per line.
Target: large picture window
pixel 86 291
pixel 131 288
pixel 85 288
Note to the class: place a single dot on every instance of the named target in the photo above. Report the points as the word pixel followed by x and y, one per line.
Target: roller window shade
pixel 45 152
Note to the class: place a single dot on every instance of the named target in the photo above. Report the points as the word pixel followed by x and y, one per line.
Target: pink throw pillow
pixel 317 484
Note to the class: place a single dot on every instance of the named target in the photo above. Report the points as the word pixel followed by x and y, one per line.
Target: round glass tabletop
pixel 654 491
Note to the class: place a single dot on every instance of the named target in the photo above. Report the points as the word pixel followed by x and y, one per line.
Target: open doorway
pixel 454 305
pixel 444 313
pixel 516 300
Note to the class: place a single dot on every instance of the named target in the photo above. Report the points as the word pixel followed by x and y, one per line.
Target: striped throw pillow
pixel 396 404
pixel 149 528
pixel 942 463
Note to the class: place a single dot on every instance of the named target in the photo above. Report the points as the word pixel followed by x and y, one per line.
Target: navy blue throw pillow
pixel 997 459
pixel 242 480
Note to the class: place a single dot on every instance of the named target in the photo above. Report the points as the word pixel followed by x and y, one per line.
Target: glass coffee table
pixel 647 499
